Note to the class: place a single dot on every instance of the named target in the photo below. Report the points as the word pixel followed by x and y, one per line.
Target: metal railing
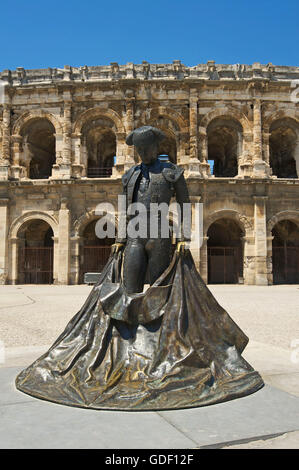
pixel 104 172
pixel 36 265
pixel 285 262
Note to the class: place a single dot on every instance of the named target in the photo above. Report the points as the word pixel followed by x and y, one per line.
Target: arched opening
pixel 39 148
pixel 100 143
pixel 94 251
pixel 35 258
pixel 224 146
pixel 285 253
pixel 283 148
pixel 225 252
pixel 168 149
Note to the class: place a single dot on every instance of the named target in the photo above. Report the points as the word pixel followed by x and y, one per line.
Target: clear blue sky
pixel 39 34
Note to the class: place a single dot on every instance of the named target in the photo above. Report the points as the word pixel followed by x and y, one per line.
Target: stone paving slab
pixel 27 422
pixel 267 412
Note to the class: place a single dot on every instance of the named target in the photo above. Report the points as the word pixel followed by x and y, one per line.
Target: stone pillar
pixel 249 259
pixel 55 259
pixel 62 167
pixel 56 173
pixel 65 165
pixel 121 158
pixel 266 152
pixel 63 243
pixel 260 167
pixel 130 124
pixel 78 168
pixel 14 242
pixel 183 149
pixel 269 260
pixel 257 130
pixel 5 154
pixel 205 170
pixel 3 240
pixel 193 123
pixel 204 259
pixel 245 165
pixel 197 229
pixel 260 232
pixel 124 153
pixel 17 169
pixel 76 254
pixel 190 162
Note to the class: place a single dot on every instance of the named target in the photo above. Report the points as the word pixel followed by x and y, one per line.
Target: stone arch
pixel 281 114
pixel 152 114
pixel 283 247
pixel 244 222
pixel 36 144
pixel 28 116
pixel 32 215
pixel 100 137
pixel 94 113
pixel 223 134
pixel 224 145
pixel 173 124
pixel 82 222
pixel 18 251
pixel 292 215
pixel 225 232
pixel 283 145
pixel 93 252
pixel 228 112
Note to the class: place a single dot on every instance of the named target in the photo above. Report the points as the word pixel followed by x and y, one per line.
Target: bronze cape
pixel 171 347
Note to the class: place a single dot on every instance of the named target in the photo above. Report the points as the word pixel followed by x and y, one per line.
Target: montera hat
pixel 144 136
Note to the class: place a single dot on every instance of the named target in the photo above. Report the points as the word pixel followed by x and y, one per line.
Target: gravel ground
pixel 33 315
pixel 268 314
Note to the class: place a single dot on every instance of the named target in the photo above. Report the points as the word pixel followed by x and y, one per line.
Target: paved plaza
pixel 31 318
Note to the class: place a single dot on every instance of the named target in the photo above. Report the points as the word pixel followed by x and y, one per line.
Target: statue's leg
pixel 135 265
pixel 159 257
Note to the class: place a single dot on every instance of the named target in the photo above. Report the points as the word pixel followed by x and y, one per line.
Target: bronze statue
pixel 172 346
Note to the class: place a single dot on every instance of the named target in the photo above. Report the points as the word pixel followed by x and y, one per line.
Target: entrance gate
pixel 285 260
pixel 95 258
pixel 36 265
pixel 223 265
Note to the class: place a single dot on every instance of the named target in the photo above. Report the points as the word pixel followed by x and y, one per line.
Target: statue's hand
pixel 181 246
pixel 116 247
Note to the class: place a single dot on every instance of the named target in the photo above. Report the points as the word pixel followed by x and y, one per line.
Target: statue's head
pixel 146 139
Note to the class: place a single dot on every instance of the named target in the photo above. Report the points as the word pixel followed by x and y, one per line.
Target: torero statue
pixel 172 346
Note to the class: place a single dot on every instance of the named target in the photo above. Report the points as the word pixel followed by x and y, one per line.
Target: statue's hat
pixel 144 136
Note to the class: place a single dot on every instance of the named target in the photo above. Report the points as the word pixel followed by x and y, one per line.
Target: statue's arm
pixel 121 239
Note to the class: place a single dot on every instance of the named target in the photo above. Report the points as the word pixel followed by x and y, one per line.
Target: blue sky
pixel 39 34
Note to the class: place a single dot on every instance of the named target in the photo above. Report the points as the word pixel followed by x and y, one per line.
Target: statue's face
pixel 148 153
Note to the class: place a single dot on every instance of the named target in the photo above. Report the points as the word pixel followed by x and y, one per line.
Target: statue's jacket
pixel 157 183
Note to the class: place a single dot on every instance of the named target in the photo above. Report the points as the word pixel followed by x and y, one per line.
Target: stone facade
pixel 63 151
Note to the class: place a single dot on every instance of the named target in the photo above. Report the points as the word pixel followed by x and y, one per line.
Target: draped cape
pixel 170 347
